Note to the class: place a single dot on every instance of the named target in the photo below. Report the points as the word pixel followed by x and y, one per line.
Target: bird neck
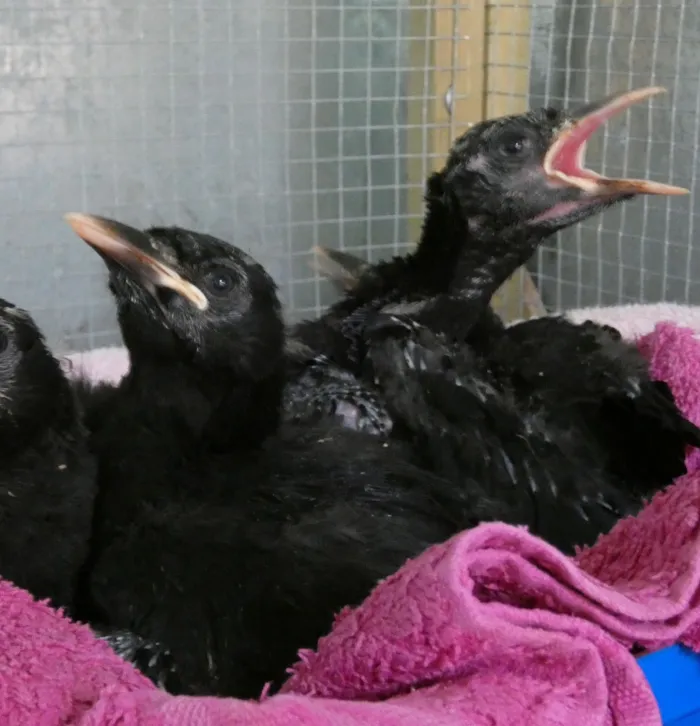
pixel 466 254
pixel 490 256
pixel 218 408
pixel 425 272
pixel 469 253
pixel 442 240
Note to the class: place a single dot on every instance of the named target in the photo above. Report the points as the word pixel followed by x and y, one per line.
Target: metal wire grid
pixel 276 124
pixel 281 124
pixel 644 251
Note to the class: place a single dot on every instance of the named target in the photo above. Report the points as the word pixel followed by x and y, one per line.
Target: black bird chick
pixel 585 367
pixel 47 475
pixel 225 536
pixel 557 381
pixel 508 184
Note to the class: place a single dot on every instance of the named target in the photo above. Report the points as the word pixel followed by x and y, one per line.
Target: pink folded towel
pixel 492 627
pixel 52 671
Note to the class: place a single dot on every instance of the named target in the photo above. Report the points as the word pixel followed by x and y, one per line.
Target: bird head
pixel 529 169
pixel 186 296
pixel 33 387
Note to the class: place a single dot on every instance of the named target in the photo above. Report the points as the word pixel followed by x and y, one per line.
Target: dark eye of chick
pixel 219 282
pixel 514 145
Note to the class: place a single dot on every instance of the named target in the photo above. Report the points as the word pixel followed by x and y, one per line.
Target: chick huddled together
pixel 212 512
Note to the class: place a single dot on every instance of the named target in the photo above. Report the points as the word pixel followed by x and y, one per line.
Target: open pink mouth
pixel 564 161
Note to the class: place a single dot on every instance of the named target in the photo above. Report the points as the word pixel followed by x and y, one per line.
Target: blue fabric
pixel 674 676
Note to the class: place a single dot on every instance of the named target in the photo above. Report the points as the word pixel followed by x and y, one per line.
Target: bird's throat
pixel 490 258
pixel 468 255
pixel 219 411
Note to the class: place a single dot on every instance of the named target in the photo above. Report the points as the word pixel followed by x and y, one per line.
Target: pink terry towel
pixel 109 364
pixel 634 321
pixel 492 627
pixel 53 671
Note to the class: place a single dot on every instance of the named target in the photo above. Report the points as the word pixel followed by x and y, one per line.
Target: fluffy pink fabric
pixel 101 364
pixel 53 671
pixel 492 627
pixel 634 321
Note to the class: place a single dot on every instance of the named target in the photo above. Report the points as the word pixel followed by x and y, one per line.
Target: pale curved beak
pixel 132 250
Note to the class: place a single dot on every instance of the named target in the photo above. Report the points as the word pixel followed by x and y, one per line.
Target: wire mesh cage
pixel 644 252
pixel 284 124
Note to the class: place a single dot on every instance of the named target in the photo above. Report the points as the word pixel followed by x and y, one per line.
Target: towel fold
pixel 53 671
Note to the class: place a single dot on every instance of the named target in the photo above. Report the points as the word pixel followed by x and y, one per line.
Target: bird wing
pixel 588 369
pixel 322 389
pixel 468 425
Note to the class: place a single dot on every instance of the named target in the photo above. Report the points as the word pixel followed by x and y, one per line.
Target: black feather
pixel 468 421
pixel 588 371
pixel 580 389
pixel 47 475
pixel 226 537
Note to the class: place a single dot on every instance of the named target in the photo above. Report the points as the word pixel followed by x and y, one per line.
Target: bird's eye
pixel 514 146
pixel 220 282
